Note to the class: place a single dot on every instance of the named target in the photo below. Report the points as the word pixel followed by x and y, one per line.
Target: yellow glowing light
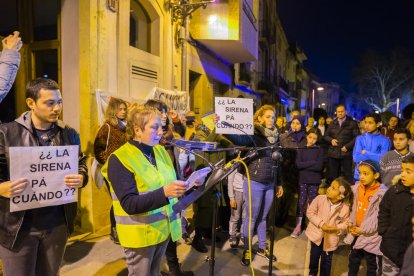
pixel 218 27
pixel 212 19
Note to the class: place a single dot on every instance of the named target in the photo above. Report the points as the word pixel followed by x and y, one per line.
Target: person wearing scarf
pixel 264 174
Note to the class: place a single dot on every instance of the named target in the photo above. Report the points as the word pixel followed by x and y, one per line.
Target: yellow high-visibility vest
pixel 152 227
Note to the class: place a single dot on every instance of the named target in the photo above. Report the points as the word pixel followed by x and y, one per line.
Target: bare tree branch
pixel 385 77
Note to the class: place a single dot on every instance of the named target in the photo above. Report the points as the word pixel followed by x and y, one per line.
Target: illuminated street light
pixel 319 88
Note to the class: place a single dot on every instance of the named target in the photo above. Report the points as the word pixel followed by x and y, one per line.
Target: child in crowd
pixel 363 235
pixel 235 192
pixel 329 216
pixel 372 144
pixel 391 161
pixel 309 162
pixel 394 219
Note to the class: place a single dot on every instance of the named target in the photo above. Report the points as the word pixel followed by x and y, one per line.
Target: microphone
pixel 211 165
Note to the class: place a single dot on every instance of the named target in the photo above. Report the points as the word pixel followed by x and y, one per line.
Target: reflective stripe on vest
pixel 152 227
pixel 137 219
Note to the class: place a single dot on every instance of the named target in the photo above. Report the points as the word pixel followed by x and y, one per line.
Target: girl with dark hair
pixel 309 162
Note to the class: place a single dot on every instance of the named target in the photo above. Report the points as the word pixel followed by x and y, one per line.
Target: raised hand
pixel 13 42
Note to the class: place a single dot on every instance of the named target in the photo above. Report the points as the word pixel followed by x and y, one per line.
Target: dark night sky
pixel 334 33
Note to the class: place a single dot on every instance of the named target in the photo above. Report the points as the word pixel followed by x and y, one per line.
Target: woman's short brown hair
pixel 139 116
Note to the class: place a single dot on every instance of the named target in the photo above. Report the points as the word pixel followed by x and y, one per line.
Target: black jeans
pixel 355 257
pixel 336 165
pixel 326 260
pixel 40 253
pixel 171 253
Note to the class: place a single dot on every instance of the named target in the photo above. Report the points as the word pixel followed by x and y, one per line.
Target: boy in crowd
pixel 394 219
pixel 391 161
pixel 372 144
pixel 390 129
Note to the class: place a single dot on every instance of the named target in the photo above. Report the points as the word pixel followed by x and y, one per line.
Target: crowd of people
pixel 367 170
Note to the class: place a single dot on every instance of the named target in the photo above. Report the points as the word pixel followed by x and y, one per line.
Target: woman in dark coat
pixel 264 172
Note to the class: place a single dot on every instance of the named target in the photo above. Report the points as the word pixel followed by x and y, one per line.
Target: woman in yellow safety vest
pixel 143 188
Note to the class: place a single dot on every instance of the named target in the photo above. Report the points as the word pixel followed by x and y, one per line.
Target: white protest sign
pixel 45 168
pixel 237 112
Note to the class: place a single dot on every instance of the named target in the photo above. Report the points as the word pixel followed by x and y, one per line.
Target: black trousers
pixel 355 257
pixel 317 253
pixel 171 252
pixel 340 166
pixel 39 253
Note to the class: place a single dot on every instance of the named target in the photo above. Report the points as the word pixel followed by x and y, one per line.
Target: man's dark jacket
pixel 19 133
pixel 345 134
pixel 394 222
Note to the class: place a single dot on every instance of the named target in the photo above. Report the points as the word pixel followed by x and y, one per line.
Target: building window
pixel 46 63
pixel 139 27
pixel 45 19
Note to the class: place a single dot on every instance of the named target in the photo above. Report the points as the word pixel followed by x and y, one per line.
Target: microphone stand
pixel 218 174
pixel 272 214
pixel 272 220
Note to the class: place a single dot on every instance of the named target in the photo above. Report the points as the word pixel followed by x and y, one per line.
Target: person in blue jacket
pixel 371 145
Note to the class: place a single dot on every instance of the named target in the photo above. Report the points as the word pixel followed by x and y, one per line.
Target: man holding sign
pixel 32 241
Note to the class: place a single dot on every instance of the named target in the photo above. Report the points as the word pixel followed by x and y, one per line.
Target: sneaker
pixel 297 231
pixel 245 260
pixel 266 253
pixel 187 239
pixel 234 242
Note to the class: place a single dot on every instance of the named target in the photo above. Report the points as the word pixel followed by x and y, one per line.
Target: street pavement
pixel 98 255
